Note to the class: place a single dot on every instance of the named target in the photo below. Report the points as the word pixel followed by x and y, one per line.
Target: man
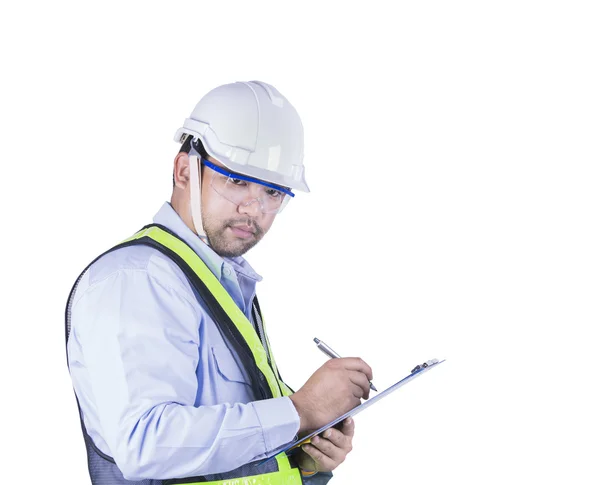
pixel 166 346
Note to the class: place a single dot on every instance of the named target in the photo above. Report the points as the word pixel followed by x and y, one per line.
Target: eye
pixel 235 181
pixel 275 194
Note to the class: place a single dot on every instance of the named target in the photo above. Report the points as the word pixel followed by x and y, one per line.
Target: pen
pixel 327 350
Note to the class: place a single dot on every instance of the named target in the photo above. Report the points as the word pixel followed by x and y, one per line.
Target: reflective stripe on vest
pixel 285 476
pixel 285 389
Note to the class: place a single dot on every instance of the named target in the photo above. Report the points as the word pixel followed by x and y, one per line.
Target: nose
pixel 251 207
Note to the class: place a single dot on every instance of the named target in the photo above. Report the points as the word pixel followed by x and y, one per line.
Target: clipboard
pixel 416 372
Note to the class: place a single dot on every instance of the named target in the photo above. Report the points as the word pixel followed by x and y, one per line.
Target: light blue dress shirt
pixel 158 388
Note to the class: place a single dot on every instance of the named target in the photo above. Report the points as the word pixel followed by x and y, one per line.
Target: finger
pixel 357 364
pixel 358 392
pixel 329 449
pixel 359 379
pixel 348 428
pixel 322 461
pixel 338 438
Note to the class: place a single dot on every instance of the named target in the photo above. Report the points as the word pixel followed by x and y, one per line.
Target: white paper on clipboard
pixel 413 375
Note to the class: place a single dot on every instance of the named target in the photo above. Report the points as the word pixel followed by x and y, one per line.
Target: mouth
pixel 245 232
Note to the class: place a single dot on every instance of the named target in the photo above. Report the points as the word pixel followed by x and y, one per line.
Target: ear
pixel 181 170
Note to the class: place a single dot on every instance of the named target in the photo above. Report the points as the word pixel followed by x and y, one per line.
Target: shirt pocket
pixel 227 367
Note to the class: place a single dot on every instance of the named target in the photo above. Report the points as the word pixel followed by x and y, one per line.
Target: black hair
pixel 186 146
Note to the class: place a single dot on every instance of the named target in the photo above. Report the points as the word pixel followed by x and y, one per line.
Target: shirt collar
pixel 168 217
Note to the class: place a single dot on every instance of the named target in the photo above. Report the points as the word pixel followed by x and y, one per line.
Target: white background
pixel 452 150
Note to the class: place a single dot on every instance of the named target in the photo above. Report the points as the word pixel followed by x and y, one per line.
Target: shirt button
pixel 227 272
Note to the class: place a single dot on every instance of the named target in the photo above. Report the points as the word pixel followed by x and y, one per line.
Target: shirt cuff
pixel 279 421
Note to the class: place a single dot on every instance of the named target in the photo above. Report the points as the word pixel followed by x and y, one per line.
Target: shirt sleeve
pixel 138 342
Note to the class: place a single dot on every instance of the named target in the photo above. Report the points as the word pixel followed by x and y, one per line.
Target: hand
pixel 325 453
pixel 334 389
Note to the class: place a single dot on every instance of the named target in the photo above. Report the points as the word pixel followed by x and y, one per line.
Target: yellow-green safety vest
pixel 240 335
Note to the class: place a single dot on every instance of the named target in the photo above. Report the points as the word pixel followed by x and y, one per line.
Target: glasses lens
pixel 243 192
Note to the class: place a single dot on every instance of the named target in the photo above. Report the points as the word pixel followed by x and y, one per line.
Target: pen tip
pixel 316 340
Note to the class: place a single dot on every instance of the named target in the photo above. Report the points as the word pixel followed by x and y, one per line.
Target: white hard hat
pixel 252 129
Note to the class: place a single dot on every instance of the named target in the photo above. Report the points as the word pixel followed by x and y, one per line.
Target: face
pixel 231 229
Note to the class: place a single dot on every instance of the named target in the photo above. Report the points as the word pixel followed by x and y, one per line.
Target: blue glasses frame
pixel 234 175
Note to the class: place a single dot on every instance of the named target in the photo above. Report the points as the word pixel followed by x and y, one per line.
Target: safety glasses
pixel 243 190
